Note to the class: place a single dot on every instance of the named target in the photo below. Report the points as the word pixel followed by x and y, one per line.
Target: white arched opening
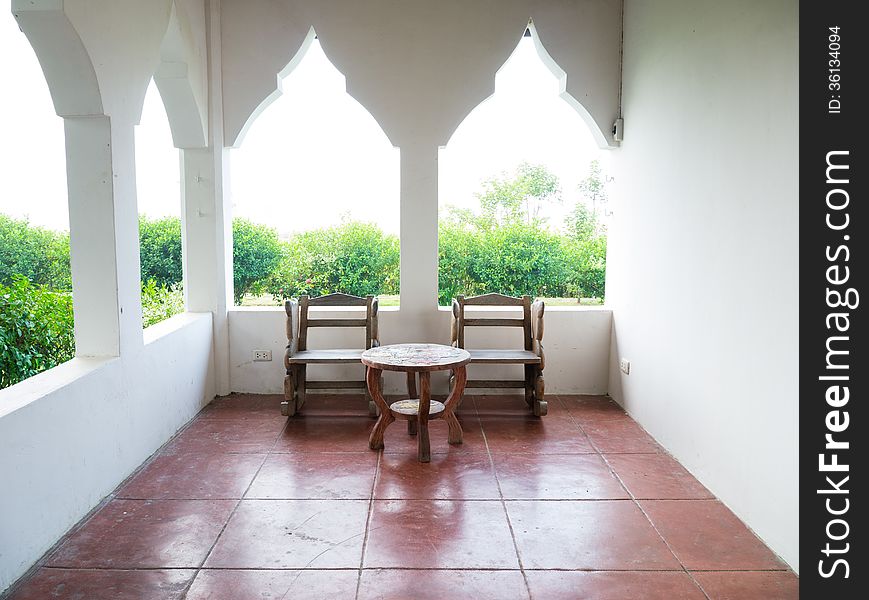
pixel 316 168
pixel 35 275
pixel 530 132
pixel 158 196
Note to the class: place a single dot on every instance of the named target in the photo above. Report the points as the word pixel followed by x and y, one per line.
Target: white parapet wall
pixel 577 343
pixel 70 435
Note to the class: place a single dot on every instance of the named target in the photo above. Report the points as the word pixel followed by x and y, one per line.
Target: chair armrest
pixel 454 324
pixel 292 309
pixel 375 328
pixel 537 311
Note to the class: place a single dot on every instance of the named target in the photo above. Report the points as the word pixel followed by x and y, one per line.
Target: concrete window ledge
pixel 171 325
pixel 33 388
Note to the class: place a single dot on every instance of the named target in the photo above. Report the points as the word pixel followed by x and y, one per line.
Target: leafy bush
pixel 40 255
pixel 160 250
pixel 514 259
pixel 160 302
pixel 256 252
pixel 36 330
pixel 353 258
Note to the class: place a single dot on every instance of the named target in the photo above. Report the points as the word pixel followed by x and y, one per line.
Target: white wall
pixel 576 342
pixel 703 277
pixel 70 435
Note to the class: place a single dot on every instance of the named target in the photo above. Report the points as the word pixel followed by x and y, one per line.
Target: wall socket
pixel 262 355
pixel 625 366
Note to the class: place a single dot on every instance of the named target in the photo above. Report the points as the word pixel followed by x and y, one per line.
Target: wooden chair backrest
pixel 460 321
pixel 338 300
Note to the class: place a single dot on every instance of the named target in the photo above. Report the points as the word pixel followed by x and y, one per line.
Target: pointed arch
pixel 65 62
pixel 234 140
pixel 181 75
pixel 560 74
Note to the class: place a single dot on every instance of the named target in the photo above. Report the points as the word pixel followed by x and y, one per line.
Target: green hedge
pixel 36 330
pixel 518 259
pixel 256 252
pixel 40 255
pixel 160 250
pixel 352 258
pixel 160 302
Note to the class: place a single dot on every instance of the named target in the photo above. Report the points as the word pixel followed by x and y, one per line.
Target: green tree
pixel 40 255
pixel 256 253
pixel 508 200
pixel 160 302
pixel 593 187
pixel 160 250
pixel 352 258
pixel 581 223
pixel 36 330
pixel 516 259
pixel 588 241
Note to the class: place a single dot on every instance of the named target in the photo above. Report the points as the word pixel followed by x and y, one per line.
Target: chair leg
pixel 288 406
pixel 541 407
pixel 301 393
pixel 529 385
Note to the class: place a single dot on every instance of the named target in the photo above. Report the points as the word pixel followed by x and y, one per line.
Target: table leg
pixel 411 393
pixel 372 378
pixel 460 376
pixel 424 452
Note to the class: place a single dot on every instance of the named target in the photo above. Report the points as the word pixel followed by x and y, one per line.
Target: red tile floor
pixel 246 504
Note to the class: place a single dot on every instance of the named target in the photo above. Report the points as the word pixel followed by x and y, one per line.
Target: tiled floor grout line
pixel 40 563
pixel 503 503
pixel 232 512
pixel 649 519
pixel 368 522
pixel 634 499
pixel 398 568
pixel 574 418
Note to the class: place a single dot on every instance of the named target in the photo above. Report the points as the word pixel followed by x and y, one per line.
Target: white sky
pixel 310 157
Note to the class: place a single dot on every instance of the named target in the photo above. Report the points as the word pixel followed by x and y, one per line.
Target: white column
pixel 206 214
pixel 419 228
pixel 92 236
pixel 207 247
pixel 126 218
pixel 104 247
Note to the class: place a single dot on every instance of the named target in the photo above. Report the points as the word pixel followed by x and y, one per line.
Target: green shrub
pixel 160 250
pixel 160 302
pixel 256 252
pixel 588 259
pixel 353 258
pixel 36 330
pixel 40 255
pixel 514 259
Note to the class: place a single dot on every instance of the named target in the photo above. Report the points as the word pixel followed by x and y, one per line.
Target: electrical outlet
pixel 262 355
pixel 625 366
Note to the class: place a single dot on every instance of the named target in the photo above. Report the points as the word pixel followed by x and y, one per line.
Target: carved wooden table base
pixel 417 410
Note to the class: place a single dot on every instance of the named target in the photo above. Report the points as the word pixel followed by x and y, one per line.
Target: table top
pixel 415 357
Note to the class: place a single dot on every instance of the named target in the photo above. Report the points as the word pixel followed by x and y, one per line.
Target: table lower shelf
pixel 409 408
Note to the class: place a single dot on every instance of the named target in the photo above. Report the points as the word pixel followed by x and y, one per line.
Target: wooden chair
pixel 298 357
pixel 530 356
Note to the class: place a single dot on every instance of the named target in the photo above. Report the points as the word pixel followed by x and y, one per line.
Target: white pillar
pixel 207 247
pixel 206 214
pixel 419 228
pixel 104 248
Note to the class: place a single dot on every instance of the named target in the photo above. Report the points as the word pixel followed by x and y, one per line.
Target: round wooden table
pixel 418 409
